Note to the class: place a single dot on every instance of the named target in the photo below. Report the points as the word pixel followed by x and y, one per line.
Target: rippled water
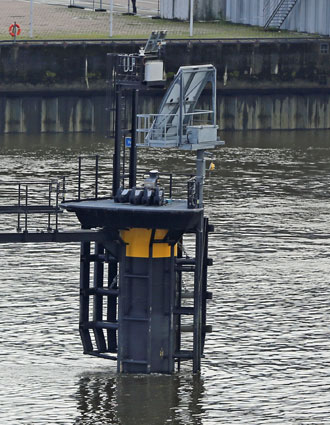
pixel 268 358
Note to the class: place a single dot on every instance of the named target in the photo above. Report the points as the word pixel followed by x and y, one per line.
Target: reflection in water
pixel 132 400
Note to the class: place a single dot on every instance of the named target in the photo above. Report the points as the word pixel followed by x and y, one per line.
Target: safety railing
pixel 92 180
pixel 269 8
pixel 38 198
pixel 124 6
pixel 147 130
pixel 169 129
pixel 174 184
pixel 276 11
pixel 36 204
pixel 80 19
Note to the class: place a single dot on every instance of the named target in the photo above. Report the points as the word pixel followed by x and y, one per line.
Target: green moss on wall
pixel 245 63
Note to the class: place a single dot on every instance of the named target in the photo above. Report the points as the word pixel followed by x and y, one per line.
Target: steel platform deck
pixel 174 215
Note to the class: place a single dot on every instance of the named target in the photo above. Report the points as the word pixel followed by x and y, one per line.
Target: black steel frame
pixel 100 318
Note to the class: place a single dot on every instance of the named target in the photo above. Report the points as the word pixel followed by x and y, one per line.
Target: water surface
pixel 267 360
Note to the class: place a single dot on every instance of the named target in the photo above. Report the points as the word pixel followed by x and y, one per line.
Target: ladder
pixel 122 109
pixel 279 12
pixel 125 74
pixel 110 96
pixel 115 105
pixel 197 311
pixel 104 323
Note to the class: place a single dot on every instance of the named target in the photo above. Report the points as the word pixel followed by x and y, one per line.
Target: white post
pixel 31 18
pixel 191 18
pixel 111 16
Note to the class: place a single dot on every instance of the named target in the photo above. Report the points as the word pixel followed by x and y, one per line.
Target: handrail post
pixel 132 155
pixel 26 207
pixel 19 208
pixel 96 175
pixel 79 177
pixel 63 188
pixel 171 183
pixel 49 204
pixel 118 141
pixel 56 206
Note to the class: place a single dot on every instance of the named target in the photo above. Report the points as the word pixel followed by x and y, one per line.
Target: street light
pixel 31 18
pixel 191 18
pixel 111 17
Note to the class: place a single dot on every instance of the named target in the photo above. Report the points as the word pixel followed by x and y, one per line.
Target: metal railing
pixel 175 185
pixel 269 8
pixel 67 19
pixel 124 6
pixel 24 198
pixel 276 12
pixel 36 204
pixel 166 128
pixel 92 179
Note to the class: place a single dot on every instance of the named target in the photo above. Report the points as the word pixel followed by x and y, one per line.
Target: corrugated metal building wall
pixel 312 16
pixel 204 10
pixel 246 11
pixel 174 9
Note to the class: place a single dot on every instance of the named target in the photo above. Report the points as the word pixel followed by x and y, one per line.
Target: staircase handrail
pixel 272 5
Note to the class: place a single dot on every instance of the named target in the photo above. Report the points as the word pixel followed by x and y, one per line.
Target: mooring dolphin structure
pixel 147 309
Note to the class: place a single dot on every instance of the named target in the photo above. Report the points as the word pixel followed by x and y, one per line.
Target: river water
pixel 268 358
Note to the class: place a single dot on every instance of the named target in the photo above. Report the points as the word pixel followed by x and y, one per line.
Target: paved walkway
pixel 57 21
pixel 53 18
pixel 145 7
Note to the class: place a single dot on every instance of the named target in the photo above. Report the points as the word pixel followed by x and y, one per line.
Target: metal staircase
pixel 276 12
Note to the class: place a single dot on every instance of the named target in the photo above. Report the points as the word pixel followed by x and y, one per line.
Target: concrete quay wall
pixel 65 113
pixel 262 84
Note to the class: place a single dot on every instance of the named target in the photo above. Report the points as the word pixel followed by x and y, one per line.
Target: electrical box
pixel 154 71
pixel 202 133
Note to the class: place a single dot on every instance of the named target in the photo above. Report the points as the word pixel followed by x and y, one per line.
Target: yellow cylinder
pixel 138 243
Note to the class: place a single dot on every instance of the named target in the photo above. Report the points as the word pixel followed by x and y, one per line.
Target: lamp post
pixel 111 17
pixel 191 18
pixel 31 18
